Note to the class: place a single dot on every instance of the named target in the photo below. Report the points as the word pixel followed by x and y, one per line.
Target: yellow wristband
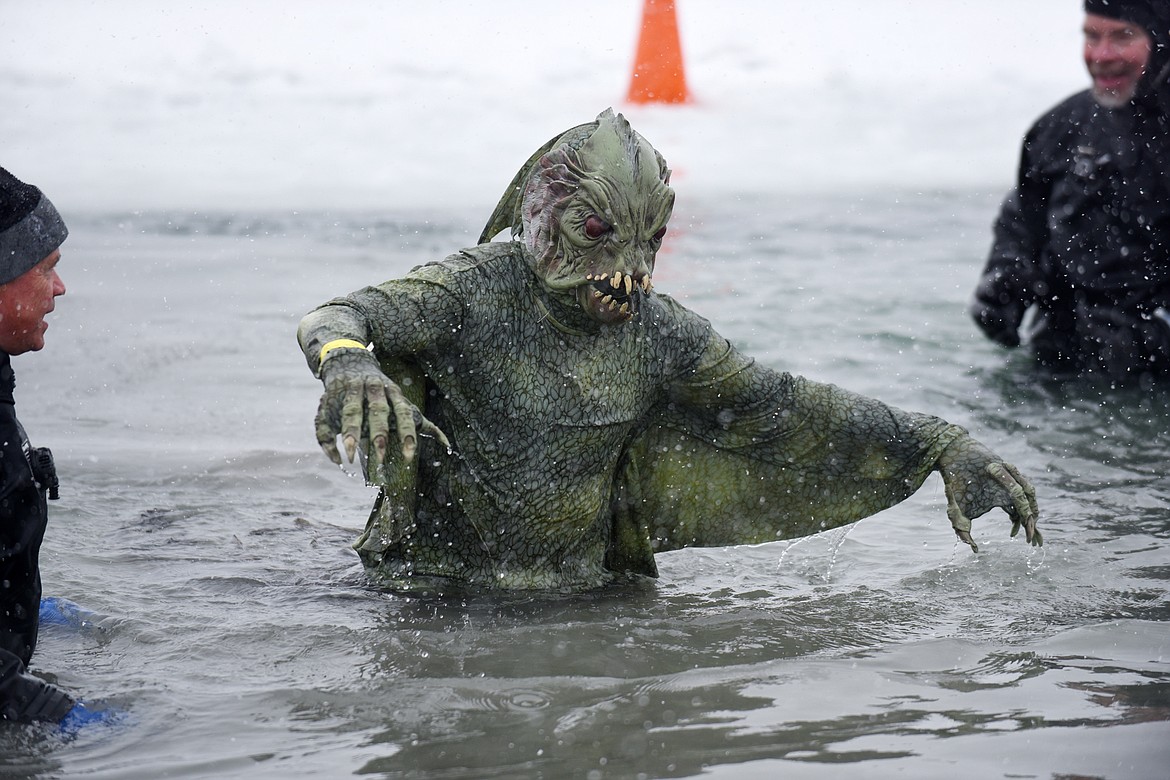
pixel 340 344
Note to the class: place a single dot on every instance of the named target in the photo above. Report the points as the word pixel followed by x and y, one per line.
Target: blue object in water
pixel 57 611
pixel 90 715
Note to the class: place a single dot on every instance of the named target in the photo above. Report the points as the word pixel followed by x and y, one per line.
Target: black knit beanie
pixel 1151 15
pixel 30 227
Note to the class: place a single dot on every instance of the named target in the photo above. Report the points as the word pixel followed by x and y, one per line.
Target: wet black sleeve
pixel 1008 284
pixel 25 698
pixel 23 516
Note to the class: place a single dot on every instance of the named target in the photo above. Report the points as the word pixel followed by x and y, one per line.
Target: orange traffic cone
pixel 658 66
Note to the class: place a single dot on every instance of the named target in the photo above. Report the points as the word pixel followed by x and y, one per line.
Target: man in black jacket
pixel 1084 237
pixel 31 231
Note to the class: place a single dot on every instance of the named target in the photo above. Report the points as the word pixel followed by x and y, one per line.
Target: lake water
pixel 201 524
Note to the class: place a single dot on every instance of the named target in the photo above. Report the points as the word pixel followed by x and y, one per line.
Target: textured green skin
pixel 579 447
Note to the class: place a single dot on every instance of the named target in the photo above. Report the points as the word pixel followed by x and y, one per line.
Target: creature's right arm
pixel 398 319
pixel 1007 286
pixel 741 454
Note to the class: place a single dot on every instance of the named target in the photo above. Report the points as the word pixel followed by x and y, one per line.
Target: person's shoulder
pixel 667 316
pixel 472 261
pixel 1060 127
pixel 487 254
pixel 1074 110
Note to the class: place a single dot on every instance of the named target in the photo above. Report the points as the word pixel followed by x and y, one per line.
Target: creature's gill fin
pixel 507 213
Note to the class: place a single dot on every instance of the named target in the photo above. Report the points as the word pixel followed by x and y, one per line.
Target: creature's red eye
pixel 661 232
pixel 596 227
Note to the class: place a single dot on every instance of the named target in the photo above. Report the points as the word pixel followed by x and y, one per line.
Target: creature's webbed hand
pixel 357 405
pixel 977 480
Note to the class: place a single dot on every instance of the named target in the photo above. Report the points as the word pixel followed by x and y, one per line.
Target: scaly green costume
pixel 574 421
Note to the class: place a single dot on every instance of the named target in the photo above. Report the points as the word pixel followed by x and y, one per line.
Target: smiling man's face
pixel 1116 54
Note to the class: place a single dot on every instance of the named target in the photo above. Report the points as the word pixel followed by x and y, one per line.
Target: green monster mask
pixel 591 206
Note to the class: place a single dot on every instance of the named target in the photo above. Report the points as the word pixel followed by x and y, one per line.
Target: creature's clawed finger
pixel 331 452
pixel 960 522
pixel 431 429
pixel 327 433
pixel 1024 509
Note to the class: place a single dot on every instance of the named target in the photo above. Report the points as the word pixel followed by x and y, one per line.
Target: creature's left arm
pixel 745 454
pixel 361 402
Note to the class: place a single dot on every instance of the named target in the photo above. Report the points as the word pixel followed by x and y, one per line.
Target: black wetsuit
pixel 23 517
pixel 1085 238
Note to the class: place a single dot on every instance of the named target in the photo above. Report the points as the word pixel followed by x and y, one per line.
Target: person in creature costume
pixel 559 421
pixel 1083 240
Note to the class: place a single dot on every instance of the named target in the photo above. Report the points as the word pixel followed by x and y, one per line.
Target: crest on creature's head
pixel 591 205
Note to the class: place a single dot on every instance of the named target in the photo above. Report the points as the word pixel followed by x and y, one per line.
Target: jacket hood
pixel 1153 16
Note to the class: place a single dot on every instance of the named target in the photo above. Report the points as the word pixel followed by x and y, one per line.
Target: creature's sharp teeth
pixel 613 306
pixel 601 277
pixel 607 299
pixel 625 308
pixel 629 285
pixel 597 293
pixel 617 279
pixel 646 285
pixel 589 277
